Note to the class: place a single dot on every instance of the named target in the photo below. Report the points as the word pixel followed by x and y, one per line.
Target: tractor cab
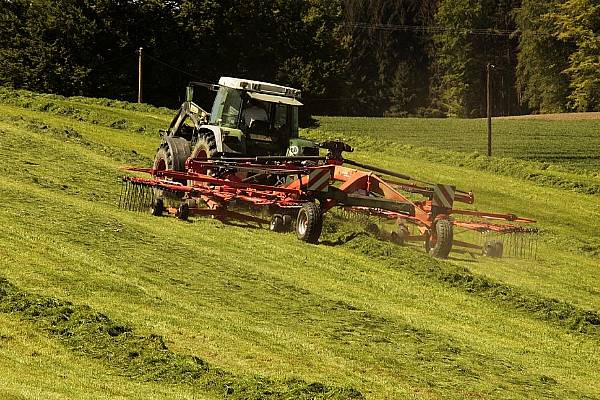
pixel 262 117
pixel 247 118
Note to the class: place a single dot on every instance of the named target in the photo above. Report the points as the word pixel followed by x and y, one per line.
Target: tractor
pixel 248 118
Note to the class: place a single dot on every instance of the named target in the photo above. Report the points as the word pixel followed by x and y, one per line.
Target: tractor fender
pixel 217 132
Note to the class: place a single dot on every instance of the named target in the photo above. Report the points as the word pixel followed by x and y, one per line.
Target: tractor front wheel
pixel 440 243
pixel 309 223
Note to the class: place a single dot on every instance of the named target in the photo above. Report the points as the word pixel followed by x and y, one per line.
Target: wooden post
pixel 140 74
pixel 489 111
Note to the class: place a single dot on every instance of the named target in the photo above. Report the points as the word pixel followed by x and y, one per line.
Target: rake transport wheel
pixel 309 223
pixel 157 208
pixel 399 237
pixel 440 244
pixel 277 224
pixel 183 211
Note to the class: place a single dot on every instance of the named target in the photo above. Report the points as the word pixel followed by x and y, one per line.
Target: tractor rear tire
pixel 444 237
pixel 171 155
pixel 309 223
pixel 205 148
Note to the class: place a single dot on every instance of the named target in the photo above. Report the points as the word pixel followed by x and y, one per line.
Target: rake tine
pixel 132 197
pixel 121 193
pixel 144 200
pixel 138 198
pixel 125 196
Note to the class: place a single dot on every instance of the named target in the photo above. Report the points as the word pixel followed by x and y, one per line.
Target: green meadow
pixel 98 302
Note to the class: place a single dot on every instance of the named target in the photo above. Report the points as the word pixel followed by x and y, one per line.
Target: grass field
pixel 97 302
pixel 568 143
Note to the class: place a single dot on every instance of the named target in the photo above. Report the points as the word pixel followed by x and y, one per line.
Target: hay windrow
pixel 147 357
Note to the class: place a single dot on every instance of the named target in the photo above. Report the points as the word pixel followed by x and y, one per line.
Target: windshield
pixel 282 118
pixel 226 108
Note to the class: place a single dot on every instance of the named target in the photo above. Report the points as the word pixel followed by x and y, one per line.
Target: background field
pixel 571 140
pixel 103 303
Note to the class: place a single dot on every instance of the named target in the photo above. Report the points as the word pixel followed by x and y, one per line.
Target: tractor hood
pixel 274 99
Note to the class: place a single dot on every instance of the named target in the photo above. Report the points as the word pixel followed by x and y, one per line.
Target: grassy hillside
pixel 103 303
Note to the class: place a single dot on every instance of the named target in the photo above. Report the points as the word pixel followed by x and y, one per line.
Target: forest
pixel 350 57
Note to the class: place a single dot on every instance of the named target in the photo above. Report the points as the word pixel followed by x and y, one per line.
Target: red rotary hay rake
pixel 297 191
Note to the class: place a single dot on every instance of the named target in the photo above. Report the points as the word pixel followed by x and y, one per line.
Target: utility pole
pixel 489 67
pixel 140 74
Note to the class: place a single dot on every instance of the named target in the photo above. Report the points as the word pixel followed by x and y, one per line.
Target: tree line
pixel 350 57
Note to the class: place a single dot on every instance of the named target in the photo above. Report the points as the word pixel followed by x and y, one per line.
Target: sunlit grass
pixel 363 315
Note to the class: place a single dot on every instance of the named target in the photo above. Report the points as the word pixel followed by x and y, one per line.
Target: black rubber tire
pixel 157 208
pixel 493 248
pixel 276 224
pixel 183 211
pixel 444 238
pixel 172 154
pixel 397 238
pixel 309 223
pixel 205 147
pixel 287 221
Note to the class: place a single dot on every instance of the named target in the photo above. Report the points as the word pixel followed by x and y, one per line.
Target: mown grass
pixel 273 313
pixel 566 144
pixel 35 366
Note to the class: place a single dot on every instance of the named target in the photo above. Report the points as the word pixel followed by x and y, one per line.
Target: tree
pixel 388 60
pixel 577 23
pixel 469 35
pixel 542 58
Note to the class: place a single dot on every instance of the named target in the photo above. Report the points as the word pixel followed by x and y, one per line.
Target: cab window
pixel 226 108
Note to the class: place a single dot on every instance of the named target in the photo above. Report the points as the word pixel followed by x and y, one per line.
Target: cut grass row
pixel 37 366
pixel 146 358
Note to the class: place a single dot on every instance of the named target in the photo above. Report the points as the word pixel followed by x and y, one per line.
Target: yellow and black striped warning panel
pixel 443 196
pixel 318 179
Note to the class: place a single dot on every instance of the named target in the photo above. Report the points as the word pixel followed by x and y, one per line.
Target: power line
pixel 434 29
pixel 171 66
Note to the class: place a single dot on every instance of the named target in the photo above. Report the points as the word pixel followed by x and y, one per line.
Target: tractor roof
pixel 260 87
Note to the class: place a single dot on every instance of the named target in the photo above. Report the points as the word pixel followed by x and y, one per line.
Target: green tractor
pixel 248 119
